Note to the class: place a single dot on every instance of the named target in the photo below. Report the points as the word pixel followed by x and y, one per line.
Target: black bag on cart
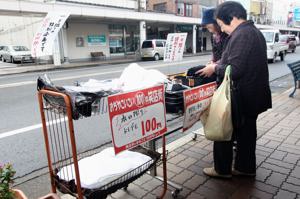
pixel 174 98
pixel 192 79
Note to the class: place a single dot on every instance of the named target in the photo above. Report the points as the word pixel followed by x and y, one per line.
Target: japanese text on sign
pixel 137 117
pixel 43 40
pixel 196 100
pixel 175 46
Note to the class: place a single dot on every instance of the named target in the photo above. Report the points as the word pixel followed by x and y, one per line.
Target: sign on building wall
pixel 79 42
pixel 43 41
pixel 96 40
pixel 174 47
pixel 297 14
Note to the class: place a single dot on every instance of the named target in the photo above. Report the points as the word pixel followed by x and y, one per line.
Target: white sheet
pixel 136 77
pixel 104 167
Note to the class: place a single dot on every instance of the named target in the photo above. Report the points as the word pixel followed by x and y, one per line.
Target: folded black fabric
pixel 81 101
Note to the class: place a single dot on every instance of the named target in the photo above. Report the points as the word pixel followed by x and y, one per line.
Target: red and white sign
pixel 42 44
pixel 196 100
pixel 174 47
pixel 137 117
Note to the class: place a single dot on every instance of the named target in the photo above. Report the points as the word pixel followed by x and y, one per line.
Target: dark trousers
pixel 245 160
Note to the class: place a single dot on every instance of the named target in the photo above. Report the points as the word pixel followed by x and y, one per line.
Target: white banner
pixel 175 47
pixel 43 41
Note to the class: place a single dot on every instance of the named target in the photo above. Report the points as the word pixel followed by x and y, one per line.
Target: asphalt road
pixel 21 139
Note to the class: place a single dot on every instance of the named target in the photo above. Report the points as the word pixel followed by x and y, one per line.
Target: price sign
pixel 137 117
pixel 196 100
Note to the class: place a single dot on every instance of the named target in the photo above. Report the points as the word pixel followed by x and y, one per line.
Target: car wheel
pixel 156 57
pixel 282 56
pixel 274 58
pixel 293 51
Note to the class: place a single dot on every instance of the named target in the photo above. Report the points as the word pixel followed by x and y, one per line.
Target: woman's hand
pixel 208 70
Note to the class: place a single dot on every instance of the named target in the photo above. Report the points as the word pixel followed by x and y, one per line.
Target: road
pixel 21 141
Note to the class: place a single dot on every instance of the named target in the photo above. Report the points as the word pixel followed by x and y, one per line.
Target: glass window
pixel 116 39
pixel 188 10
pixel 180 9
pixel 268 36
pixel 20 48
pixel 159 44
pixel 147 44
pixel 160 7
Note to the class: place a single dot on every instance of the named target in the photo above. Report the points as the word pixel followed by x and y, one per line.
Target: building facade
pixel 119 27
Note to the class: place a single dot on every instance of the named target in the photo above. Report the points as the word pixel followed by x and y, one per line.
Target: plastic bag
pixel 217 120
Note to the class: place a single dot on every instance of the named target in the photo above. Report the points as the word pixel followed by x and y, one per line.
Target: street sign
pixel 174 47
pixel 43 41
pixel 137 117
pixel 196 100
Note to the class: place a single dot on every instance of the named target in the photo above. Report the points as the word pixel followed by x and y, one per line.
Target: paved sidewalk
pixel 278 164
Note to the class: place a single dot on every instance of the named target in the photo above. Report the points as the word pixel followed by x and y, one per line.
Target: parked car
pixel 1 51
pixel 154 49
pixel 290 40
pixel 297 41
pixel 16 54
pixel 274 47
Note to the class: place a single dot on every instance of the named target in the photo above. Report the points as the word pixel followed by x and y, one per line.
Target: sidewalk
pixel 46 67
pixel 278 163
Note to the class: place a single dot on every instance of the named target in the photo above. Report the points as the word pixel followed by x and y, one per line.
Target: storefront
pixel 123 39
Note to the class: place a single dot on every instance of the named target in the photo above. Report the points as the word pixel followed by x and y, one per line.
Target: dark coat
pixel 247 54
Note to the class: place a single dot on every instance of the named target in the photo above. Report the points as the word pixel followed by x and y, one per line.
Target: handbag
pixel 217 119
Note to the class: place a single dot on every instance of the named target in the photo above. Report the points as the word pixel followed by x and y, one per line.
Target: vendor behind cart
pixel 219 38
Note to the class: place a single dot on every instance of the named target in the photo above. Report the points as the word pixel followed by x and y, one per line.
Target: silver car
pixel 16 54
pixel 1 51
pixel 154 49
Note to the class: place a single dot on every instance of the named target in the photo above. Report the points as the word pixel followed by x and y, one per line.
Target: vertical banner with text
pixel 174 47
pixel 43 41
pixel 196 100
pixel 137 117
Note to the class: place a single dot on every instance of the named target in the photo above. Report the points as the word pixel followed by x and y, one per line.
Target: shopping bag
pixel 217 120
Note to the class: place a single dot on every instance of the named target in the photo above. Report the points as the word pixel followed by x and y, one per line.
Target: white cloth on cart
pixel 104 167
pixel 136 77
pixel 93 85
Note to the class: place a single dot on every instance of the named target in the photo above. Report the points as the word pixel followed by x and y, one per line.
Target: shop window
pixel 180 9
pixel 161 7
pixel 188 10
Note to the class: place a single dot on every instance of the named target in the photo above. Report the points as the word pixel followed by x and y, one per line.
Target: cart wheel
pixel 175 193
pixel 195 137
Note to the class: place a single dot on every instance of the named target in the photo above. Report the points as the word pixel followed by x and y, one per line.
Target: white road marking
pixel 28 129
pixel 37 126
pixel 92 74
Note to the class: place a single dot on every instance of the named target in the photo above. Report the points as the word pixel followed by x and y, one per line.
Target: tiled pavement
pixel 278 163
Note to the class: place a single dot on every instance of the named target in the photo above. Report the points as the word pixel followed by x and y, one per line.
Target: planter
pixel 19 194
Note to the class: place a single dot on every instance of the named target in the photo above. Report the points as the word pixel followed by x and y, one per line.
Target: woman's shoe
pixel 239 173
pixel 212 173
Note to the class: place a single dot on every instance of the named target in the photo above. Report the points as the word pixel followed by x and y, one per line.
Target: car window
pixel 283 38
pixel 147 44
pixel 269 36
pixel 159 44
pixel 20 48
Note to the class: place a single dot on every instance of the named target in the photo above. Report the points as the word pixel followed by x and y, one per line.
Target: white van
pixel 153 49
pixel 274 47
